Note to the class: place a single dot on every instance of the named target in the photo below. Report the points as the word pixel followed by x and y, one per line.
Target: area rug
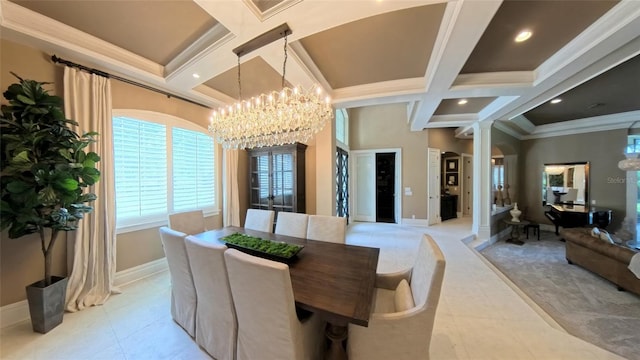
pixel 584 304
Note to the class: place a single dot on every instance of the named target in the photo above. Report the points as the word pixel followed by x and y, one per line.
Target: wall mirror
pixel 565 183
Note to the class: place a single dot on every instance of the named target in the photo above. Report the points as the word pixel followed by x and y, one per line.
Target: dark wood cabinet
pixel 448 207
pixel 277 178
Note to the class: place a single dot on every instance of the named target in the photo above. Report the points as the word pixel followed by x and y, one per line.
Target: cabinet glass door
pixel 260 181
pixel 282 187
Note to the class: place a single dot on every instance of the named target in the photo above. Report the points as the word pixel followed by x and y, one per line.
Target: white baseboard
pixel 17 312
pixel 140 272
pixel 415 222
pixel 479 245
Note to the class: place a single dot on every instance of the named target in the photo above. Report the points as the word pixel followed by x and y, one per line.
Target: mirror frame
pixel 586 180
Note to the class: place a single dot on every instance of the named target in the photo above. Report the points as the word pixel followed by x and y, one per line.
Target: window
pixel 162 165
pixel 342 127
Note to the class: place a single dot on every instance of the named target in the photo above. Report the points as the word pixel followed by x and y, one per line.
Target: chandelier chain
pixel 284 64
pixel 239 82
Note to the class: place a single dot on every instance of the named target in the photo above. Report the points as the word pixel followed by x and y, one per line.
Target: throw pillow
pixel 606 237
pixel 403 296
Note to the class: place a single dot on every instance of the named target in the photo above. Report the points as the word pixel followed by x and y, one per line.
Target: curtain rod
pixel 58 60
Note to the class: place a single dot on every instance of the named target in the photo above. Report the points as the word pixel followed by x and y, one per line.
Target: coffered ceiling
pixel 427 54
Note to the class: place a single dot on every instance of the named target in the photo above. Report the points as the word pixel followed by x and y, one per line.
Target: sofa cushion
pixel 582 237
pixel 403 297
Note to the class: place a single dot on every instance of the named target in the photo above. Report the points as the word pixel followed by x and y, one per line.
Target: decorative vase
pixel 515 213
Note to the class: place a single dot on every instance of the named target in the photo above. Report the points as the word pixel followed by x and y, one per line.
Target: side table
pixel 515 230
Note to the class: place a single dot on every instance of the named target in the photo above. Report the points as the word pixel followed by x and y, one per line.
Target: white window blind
pixel 193 170
pixel 140 161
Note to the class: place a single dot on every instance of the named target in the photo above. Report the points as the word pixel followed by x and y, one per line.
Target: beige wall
pixel 602 149
pixel 445 140
pixel 21 261
pixel 385 126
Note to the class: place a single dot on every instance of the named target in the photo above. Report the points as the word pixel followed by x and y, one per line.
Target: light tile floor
pixel 480 316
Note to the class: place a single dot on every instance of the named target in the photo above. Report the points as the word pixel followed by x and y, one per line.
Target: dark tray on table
pixel 288 258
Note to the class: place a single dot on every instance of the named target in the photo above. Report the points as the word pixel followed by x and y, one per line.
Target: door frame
pixel 398 179
pixel 466 171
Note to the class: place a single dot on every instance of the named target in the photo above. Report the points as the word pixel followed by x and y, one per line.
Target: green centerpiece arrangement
pixel 276 250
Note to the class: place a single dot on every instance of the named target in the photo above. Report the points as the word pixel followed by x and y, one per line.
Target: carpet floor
pixel 584 304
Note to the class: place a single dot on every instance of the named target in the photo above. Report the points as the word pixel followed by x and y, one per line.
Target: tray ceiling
pixel 427 54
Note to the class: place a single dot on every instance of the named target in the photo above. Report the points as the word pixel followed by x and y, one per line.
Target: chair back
pixel 260 220
pixel 327 228
pixel 183 291
pixel 267 324
pixel 188 222
pixel 427 274
pixel 404 335
pixel 216 324
pixel 292 224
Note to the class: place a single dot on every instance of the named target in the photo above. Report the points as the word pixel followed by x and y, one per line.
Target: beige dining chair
pixel 402 322
pixel 216 323
pixel 260 220
pixel 268 327
pixel 183 291
pixel 188 222
pixel 327 228
pixel 292 224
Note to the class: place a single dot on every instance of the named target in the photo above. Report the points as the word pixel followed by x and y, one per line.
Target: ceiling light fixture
pixel 462 101
pixel 196 76
pixel 280 117
pixel 556 100
pixel 523 35
pixel 632 162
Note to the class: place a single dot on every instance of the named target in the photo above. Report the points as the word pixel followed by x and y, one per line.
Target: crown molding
pixel 509 79
pixel 455 120
pixel 403 90
pixel 500 125
pixel 262 16
pixel 210 41
pixel 41 28
pixel 614 23
pixel 593 124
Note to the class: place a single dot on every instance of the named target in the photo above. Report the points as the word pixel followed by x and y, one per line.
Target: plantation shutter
pixel 193 170
pixel 140 161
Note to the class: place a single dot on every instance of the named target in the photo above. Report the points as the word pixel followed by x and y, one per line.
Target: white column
pixel 482 180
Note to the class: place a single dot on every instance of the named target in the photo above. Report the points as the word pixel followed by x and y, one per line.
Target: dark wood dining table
pixel 334 280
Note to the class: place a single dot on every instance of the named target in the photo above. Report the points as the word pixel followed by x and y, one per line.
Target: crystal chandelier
pixel 280 117
pixel 632 162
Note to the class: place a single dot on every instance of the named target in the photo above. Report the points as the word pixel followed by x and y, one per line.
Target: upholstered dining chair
pixel 402 322
pixel 188 222
pixel 261 220
pixel 183 291
pixel 216 323
pixel 268 327
pixel 327 228
pixel 292 224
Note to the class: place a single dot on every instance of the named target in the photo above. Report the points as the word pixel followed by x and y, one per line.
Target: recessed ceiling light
pixel 523 36
pixel 196 75
pixel 556 100
pixel 462 101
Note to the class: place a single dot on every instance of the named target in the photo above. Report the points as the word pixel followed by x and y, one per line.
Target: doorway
pixel 385 187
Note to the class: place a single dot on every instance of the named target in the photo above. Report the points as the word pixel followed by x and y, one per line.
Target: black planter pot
pixel 46 303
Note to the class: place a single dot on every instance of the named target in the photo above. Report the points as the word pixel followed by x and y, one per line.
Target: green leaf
pixel 67 184
pixel 25 99
pixel 17 187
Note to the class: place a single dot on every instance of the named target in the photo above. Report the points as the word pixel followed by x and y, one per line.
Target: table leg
pixel 336 334
pixel 515 236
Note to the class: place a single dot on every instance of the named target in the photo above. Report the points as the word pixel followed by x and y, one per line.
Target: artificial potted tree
pixel 46 169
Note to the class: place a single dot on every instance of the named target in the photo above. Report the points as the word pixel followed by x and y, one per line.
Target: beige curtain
pixel 230 199
pixel 87 100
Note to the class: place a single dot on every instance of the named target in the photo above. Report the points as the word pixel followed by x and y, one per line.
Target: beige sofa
pixel 608 260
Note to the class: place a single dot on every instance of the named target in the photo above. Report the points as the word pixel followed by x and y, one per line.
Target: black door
pixel 385 187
